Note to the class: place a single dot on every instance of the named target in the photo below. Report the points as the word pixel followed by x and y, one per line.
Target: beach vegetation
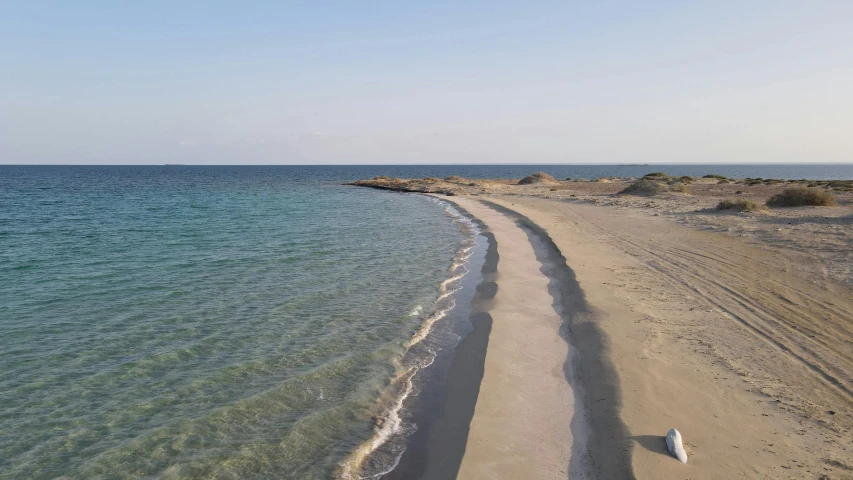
pixel 802 196
pixel 840 185
pixel 714 175
pixel 538 177
pixel 740 205
pixel 654 187
pixel 660 176
pixel 645 187
pixel 679 187
pixel 685 179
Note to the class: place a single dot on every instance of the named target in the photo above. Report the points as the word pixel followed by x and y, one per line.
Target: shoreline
pixel 408 404
pixel 737 342
pixel 438 454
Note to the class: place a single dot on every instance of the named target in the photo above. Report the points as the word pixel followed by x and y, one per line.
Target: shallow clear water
pixel 209 323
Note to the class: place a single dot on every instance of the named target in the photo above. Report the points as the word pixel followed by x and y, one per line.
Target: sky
pixel 368 82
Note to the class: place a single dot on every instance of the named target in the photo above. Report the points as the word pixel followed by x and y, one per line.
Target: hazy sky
pixel 438 82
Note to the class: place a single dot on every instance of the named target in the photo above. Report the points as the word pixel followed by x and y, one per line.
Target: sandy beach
pixel 614 321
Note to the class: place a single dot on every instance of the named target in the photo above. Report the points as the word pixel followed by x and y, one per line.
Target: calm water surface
pixel 204 322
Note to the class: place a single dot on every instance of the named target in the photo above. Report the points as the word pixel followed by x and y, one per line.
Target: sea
pixel 237 322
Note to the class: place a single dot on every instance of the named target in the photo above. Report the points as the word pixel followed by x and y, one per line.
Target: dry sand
pixel 736 329
pixel 715 337
pixel 708 334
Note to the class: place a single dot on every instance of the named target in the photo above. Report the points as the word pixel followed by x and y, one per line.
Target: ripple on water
pixel 235 327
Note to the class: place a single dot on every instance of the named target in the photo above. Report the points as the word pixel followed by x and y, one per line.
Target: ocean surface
pixel 233 322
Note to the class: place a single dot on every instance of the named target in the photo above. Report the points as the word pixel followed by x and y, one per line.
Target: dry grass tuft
pixel 653 187
pixel 740 205
pixel 538 177
pixel 657 176
pixel 645 187
pixel 801 196
pixel 679 187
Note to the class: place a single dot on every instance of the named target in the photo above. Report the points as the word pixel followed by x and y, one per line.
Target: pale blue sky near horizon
pixel 434 82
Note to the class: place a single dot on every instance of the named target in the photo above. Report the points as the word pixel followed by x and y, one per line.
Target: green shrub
pixel 740 205
pixel 685 179
pixel 714 175
pixel 801 196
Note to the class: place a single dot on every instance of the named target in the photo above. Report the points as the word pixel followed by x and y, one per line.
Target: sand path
pixel 521 427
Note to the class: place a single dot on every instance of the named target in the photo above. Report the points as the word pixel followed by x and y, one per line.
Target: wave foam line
pixel 393 422
pixel 426 327
pixel 443 287
pixel 447 294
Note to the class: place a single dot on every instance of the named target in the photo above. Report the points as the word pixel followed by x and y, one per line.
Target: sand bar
pixel 524 390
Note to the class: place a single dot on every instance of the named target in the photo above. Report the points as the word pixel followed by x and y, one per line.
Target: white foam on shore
pixel 443 287
pixel 426 327
pixel 391 425
pixel 447 294
pixel 392 422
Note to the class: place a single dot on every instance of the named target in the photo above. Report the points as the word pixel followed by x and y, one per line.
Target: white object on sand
pixel 673 444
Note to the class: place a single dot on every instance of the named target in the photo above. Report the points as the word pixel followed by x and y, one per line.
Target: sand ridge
pixel 522 422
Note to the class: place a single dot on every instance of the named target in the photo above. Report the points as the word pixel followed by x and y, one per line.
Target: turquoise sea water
pixel 207 324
